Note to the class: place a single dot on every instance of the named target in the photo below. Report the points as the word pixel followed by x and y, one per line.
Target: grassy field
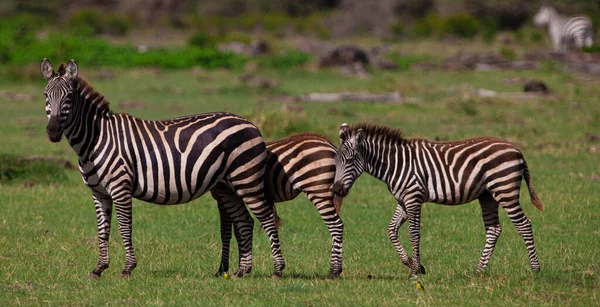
pixel 48 227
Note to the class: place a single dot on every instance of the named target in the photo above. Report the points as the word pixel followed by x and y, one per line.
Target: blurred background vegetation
pixel 188 33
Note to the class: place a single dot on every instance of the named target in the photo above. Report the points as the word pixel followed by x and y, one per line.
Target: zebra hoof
pixel 334 275
pixel 276 275
pixel 413 276
pixel 125 274
pixel 422 270
pixel 219 274
pixel 93 275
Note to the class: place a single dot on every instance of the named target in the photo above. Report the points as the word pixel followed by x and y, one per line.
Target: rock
pixel 536 86
pixel 258 47
pixel 344 55
pixel 354 69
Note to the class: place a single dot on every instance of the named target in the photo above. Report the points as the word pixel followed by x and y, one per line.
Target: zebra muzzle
pixel 338 189
pixel 54 130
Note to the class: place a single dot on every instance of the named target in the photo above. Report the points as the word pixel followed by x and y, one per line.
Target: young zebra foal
pixel 448 173
pixel 163 162
pixel 565 32
pixel 302 162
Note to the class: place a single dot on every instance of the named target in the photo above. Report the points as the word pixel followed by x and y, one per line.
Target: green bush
pixel 285 61
pixel 87 22
pixel 94 52
pixel 398 28
pixel 427 26
pixel 591 49
pixel 489 28
pixel 202 40
pixel 405 62
pixel 536 36
pixel 14 32
pixel 508 53
pixel 463 25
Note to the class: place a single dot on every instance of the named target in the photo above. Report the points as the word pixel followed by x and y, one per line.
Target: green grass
pixel 48 230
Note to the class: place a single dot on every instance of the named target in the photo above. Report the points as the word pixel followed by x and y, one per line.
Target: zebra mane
pixel 388 133
pixel 87 91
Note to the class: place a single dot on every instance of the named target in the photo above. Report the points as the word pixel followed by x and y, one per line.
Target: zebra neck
pixel 382 159
pixel 90 116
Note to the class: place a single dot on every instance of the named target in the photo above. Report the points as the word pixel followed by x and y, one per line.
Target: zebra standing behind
pixel 449 173
pixel 164 162
pixel 565 32
pixel 302 162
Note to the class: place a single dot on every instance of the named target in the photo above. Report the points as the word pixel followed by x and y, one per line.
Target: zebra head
pixel 543 16
pixel 349 162
pixel 58 92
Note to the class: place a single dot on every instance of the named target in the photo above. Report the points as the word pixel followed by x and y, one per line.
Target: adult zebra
pixel 449 173
pixel 164 162
pixel 302 162
pixel 565 32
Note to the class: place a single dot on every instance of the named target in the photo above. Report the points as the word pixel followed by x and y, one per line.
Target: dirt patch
pixel 29 120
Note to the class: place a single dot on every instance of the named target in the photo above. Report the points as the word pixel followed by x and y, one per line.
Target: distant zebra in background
pixel 449 173
pixel 566 32
pixel 303 162
pixel 164 162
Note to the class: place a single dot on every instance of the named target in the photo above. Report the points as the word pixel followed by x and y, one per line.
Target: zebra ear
pixel 46 69
pixel 343 132
pixel 360 136
pixel 71 70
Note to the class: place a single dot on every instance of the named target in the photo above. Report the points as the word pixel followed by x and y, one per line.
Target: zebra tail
pixel 338 201
pixel 537 202
pixel 276 219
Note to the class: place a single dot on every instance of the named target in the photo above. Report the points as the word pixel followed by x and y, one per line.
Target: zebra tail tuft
pixel 338 201
pixel 535 200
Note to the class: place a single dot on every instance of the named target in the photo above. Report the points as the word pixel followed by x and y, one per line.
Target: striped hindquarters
pixel 302 162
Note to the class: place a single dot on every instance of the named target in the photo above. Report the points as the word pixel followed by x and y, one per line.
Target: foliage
pixel 489 28
pixel 462 24
pixel 86 22
pixel 404 62
pixel 508 53
pixel 285 61
pixel 95 51
pixel 591 49
pixel 398 28
pixel 201 39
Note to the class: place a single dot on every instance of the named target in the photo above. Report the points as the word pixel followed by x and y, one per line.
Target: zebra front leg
pixel 335 225
pixel 489 210
pixel 103 214
pixel 124 216
pixel 398 219
pixel 414 231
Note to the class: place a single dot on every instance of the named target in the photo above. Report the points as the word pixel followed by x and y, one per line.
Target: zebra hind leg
pixel 522 223
pixel 489 209
pixel 398 219
pixel 233 212
pixel 334 225
pixel 226 226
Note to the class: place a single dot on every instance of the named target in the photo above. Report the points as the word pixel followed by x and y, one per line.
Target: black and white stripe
pixel 566 32
pixel 299 163
pixel 163 162
pixel 449 173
